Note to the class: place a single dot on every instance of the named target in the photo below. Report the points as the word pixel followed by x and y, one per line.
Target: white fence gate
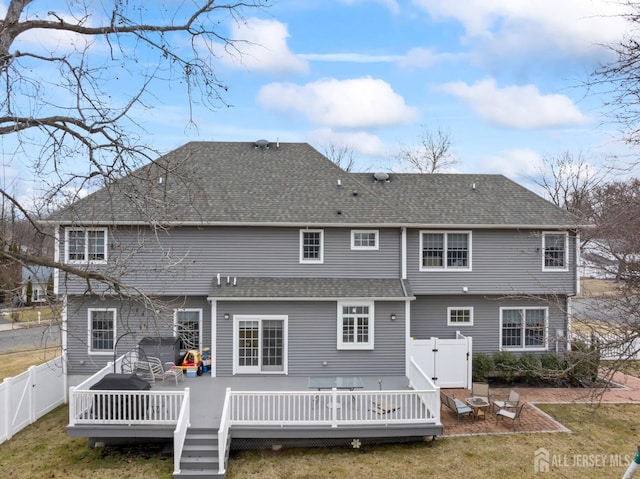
pixel 447 362
pixel 29 396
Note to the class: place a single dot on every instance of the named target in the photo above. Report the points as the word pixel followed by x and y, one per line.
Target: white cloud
pixel 514 163
pixel 360 142
pixel 392 5
pixel 352 103
pixel 418 58
pixel 261 45
pixel 521 107
pixel 573 27
pixel 350 57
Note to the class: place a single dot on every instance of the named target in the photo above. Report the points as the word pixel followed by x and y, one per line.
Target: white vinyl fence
pixel 27 397
pixel 447 362
pixel 613 346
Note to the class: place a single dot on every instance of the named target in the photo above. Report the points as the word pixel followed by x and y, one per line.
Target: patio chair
pixel 156 368
pixel 513 415
pixel 510 403
pixel 481 390
pixel 455 405
pixel 143 369
pixel 173 371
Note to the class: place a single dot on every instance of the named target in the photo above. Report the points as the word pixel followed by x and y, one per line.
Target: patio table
pixel 479 407
pixel 336 382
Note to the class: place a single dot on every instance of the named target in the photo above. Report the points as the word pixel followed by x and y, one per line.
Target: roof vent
pixel 262 144
pixel 381 177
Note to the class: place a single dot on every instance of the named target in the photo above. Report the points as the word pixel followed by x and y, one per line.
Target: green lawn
pixel 43 450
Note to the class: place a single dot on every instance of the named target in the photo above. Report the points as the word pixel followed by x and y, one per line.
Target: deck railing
pixel 333 408
pixel 179 435
pixel 419 381
pixel 223 431
pixel 124 407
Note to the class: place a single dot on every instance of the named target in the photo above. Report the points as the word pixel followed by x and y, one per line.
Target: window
pixel 311 246
pixel 445 250
pixel 364 239
pixel 102 330
pixel 555 246
pixel 523 328
pixel 188 327
pixel 260 344
pixel 355 325
pixel 459 316
pixel 86 245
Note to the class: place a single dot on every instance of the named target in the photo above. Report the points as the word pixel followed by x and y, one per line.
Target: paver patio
pixel 533 419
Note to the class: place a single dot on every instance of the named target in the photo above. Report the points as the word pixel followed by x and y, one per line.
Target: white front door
pixel 260 344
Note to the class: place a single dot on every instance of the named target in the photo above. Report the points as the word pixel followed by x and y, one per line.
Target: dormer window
pixel 86 245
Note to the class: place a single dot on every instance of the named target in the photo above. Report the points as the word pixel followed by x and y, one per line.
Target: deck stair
pixel 200 455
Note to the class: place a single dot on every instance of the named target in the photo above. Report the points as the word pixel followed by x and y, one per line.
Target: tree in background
pixel 568 180
pixel 621 80
pixel 434 154
pixel 77 78
pixel 342 156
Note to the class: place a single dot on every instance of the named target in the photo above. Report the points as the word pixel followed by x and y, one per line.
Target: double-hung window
pixel 555 247
pixel 523 328
pixel 188 327
pixel 102 330
pixel 443 250
pixel 355 325
pixel 86 245
pixel 311 246
pixel 364 239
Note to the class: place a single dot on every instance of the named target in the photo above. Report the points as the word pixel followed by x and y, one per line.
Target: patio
pixel 534 420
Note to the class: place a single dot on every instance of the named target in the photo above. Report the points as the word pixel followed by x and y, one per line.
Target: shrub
pixel 530 367
pixel 482 367
pixel 584 362
pixel 506 365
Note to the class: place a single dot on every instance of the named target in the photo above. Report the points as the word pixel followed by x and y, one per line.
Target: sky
pixel 505 78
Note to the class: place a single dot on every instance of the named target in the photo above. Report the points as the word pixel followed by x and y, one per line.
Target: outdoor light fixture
pixel 227 315
pixel 393 316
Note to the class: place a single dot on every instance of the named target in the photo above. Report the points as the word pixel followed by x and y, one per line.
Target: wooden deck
pixel 207 397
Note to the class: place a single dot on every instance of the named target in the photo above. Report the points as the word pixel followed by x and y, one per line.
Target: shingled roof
pixel 293 184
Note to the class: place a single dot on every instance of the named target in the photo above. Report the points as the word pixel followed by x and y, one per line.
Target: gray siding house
pixel 284 265
pixel 275 245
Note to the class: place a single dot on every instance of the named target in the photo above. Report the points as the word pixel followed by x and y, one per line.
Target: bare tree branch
pixel 433 155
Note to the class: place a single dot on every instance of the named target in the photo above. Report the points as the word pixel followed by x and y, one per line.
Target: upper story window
pixel 459 316
pixel 555 247
pixel 311 246
pixel 364 239
pixel 355 325
pixel 86 245
pixel 102 330
pixel 445 250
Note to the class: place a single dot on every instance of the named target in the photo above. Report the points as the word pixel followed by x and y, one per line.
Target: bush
pixel 482 367
pixel 530 367
pixel 584 362
pixel 506 365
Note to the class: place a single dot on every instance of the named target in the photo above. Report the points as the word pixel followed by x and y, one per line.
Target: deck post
pixel 334 405
pixel 72 406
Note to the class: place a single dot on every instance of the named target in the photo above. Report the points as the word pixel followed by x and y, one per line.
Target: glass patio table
pixel 335 382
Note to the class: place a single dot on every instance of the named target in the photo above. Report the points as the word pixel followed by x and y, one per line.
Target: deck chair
pixel 455 405
pixel 481 390
pixel 143 369
pixel 509 414
pixel 156 368
pixel 511 402
pixel 173 371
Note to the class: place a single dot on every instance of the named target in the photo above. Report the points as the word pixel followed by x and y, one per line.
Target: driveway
pixel 27 337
